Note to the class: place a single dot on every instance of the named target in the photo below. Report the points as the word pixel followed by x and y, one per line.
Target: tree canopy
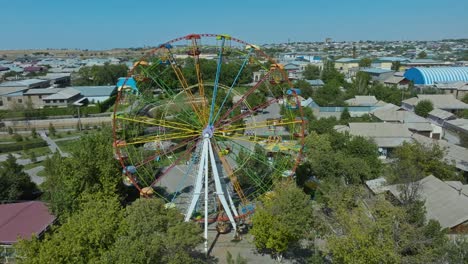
pixel 423 108
pixel 282 219
pixel 311 72
pixel 101 231
pixel 15 184
pixel 90 169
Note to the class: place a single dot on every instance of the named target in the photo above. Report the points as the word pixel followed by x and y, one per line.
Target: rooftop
pixel 443 201
pixel 442 101
pixel 27 82
pixel 64 94
pixel 90 91
pixel 384 134
pixel 23 220
pixel 441 114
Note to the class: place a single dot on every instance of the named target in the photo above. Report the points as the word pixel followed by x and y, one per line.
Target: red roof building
pixel 22 220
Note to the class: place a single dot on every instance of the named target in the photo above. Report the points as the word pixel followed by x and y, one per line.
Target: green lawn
pixel 38 151
pixel 67 145
pixel 41 173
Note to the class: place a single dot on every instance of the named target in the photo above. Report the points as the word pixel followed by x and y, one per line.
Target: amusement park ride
pixel 179 135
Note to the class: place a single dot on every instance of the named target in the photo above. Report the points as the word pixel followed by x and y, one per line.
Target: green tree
pixel 90 169
pixel 83 238
pixel 423 108
pixel 311 72
pixel 365 62
pixel 422 55
pixel 395 66
pixel 107 74
pixel 329 95
pixel 52 129
pixel 10 131
pixel 413 161
pixel 345 115
pixel 15 184
pixel 283 218
pixel 33 133
pixel 330 73
pixel 361 83
pixel 150 233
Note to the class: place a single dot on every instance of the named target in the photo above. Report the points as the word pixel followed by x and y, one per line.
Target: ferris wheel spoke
pixel 230 173
pixel 165 152
pixel 253 126
pixel 238 103
pixel 195 52
pixel 183 155
pixel 244 63
pixel 161 123
pixel 184 84
pixel 249 112
pixel 163 137
pixel 218 72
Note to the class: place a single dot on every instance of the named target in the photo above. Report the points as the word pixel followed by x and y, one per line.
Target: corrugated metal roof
pixel 95 91
pixel 63 94
pixel 27 82
pixel 442 101
pixel 429 76
pixel 23 220
pixel 443 202
pixel 439 113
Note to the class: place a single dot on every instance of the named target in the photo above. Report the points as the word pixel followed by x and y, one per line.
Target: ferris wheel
pixel 208 123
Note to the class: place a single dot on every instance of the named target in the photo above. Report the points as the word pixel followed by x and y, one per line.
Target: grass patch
pixel 42 173
pixel 37 151
pixel 66 145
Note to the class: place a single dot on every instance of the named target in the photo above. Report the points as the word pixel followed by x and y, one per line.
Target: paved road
pixel 52 145
pixel 33 174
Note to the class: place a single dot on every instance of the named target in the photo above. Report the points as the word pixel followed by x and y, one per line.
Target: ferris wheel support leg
pixel 206 198
pixel 219 189
pixel 198 184
pixel 231 203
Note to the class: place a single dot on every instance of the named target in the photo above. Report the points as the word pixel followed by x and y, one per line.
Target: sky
pixel 104 24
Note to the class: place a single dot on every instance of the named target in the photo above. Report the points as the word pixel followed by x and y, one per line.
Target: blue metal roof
pixel 130 82
pixel 429 76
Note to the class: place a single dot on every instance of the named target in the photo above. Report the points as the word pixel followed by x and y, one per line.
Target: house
pixel 57 79
pixel 387 62
pixel 445 102
pixel 439 117
pixel 96 94
pixel 22 220
pixel 445 202
pixel 63 98
pixel 378 74
pixel 425 63
pixel 456 131
pixel 413 122
pixel 36 96
pixel 458 89
pixel 364 100
pixel 11 92
pixel 454 155
pixel 398 81
pixel 387 136
pixel 346 65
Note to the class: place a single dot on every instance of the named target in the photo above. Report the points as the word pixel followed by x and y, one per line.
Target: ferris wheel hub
pixel 208 131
